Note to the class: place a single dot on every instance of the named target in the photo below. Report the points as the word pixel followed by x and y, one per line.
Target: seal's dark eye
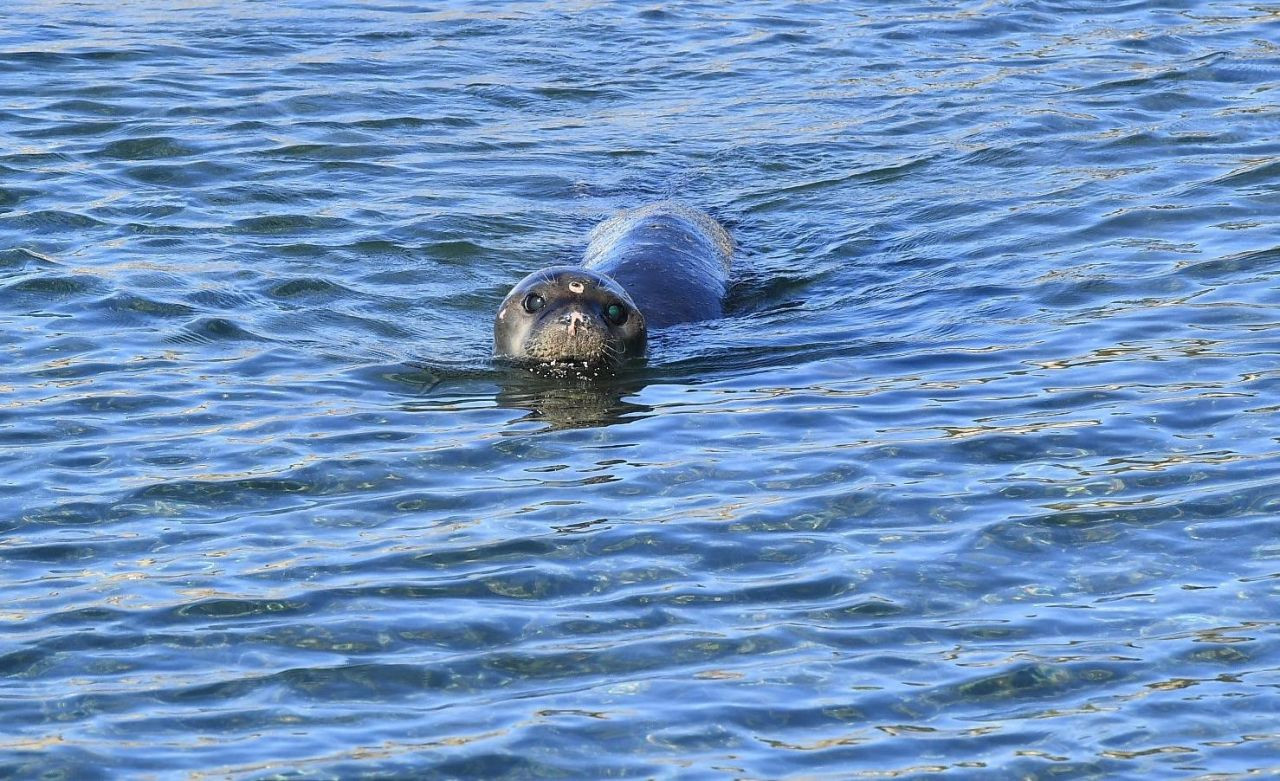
pixel 617 313
pixel 533 302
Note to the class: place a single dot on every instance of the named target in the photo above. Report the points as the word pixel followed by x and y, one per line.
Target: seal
pixel 653 266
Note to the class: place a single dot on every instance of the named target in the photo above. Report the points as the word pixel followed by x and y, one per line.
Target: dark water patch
pixel 82 369
pixel 1259 265
pixel 415 123
pixel 1198 70
pixel 153 211
pixel 123 403
pixel 459 251
pixel 67 763
pixel 344 153
pixel 389 250
pixel 152 148
pixel 163 235
pixel 289 224
pixel 494 764
pixel 212 330
pixel 26 435
pixel 185 175
pixel 44 221
pixel 444 560
pixel 16 60
pixel 51 287
pixel 657 14
pixel 73 130
pixel 1254 172
pixel 226 298
pixel 126 56
pixel 302 250
pixel 50 554
pixel 23 259
pixel 577 94
pixel 308 288
pixel 92 108
pixel 260 192
pixel 501 96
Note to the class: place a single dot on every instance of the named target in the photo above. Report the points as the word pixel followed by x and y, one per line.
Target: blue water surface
pixel 978 478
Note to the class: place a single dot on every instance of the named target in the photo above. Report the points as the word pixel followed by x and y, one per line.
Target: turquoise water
pixel 979 477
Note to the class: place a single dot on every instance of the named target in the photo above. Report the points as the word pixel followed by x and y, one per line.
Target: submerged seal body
pixel 654 266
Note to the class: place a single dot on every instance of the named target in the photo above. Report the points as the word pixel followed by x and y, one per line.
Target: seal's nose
pixel 574 319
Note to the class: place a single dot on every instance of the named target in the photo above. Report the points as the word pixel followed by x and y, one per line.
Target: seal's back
pixel 673 260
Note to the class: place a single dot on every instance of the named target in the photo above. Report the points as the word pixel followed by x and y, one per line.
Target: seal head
pixel 568 320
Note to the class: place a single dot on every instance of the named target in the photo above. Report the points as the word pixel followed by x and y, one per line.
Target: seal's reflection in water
pixel 555 402
pixel 569 404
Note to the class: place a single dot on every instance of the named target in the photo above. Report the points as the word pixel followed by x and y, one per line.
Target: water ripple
pixel 976 476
